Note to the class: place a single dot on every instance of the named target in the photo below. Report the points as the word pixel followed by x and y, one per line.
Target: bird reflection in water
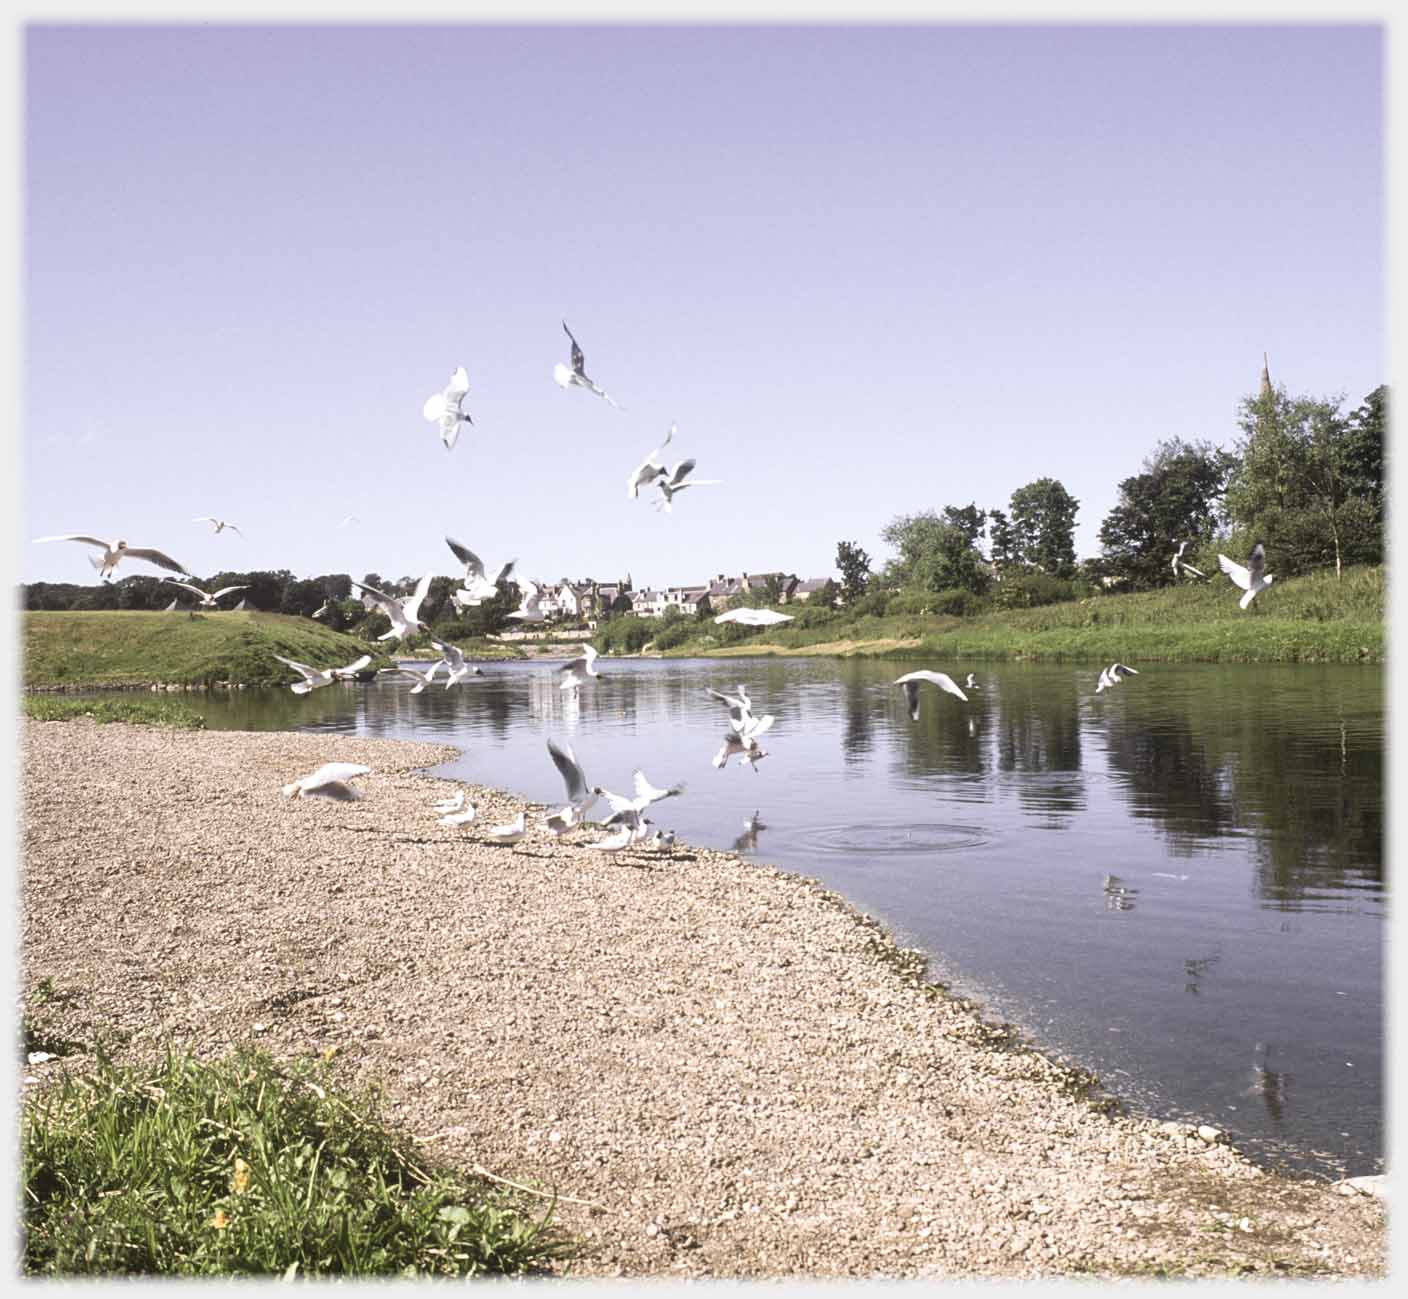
pixel 1268 1083
pixel 1194 970
pixel 748 840
pixel 1118 895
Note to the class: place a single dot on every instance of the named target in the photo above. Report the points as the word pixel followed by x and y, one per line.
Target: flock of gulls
pixel 628 823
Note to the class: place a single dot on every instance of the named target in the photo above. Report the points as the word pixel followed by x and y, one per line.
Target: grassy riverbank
pixel 1314 619
pixel 142 710
pixel 113 648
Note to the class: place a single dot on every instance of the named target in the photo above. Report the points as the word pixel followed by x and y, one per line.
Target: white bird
pixel 560 822
pixel 646 793
pixel 1110 676
pixel 1180 567
pixel 580 795
pixel 529 602
pixel 176 600
pixel 423 679
pixel 678 481
pixel 350 518
pixel 219 524
pixel 477 586
pixel 576 671
pixel 623 838
pixel 243 604
pixel 1103 682
pixel 740 706
pixel 648 470
pixel 321 610
pixel 754 617
pixel 748 840
pixel 451 804
pixel 577 375
pixel 313 678
pixel 910 681
pixel 447 408
pixel 207 600
pixel 329 781
pixel 631 810
pixel 114 552
pixel 971 683
pixel 667 839
pixel 455 663
pixel 459 818
pixel 511 832
pixel 1252 579
pixel 744 743
pixel 404 613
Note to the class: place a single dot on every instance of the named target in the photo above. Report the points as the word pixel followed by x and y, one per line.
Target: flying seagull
pixel 313 678
pixel 321 610
pixel 423 679
pixel 740 706
pixel 477 586
pixel 1253 578
pixel 1180 567
pixel 631 809
pixel 577 375
pixel 649 469
pixel 676 482
pixel 447 408
pixel 529 599
pixel 404 613
pixel 350 518
pixel 576 671
pixel 207 601
pixel 744 744
pixel 910 681
pixel 114 552
pixel 219 524
pixel 1110 676
pixel 754 617
pixel 329 781
pixel 455 663
pixel 971 683
pixel 580 795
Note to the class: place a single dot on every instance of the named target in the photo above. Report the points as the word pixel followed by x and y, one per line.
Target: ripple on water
pixel 885 839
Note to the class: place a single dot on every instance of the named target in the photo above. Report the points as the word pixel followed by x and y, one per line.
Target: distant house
pixel 649 604
pixel 756 582
pixel 803 591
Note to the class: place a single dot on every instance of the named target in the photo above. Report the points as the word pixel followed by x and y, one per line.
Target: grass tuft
pixel 248 1167
pixel 177 713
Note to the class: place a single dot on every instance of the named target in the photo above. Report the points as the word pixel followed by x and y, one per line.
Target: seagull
pixel 351 518
pixel 1251 579
pixel 740 706
pixel 446 408
pixel 744 743
pixel 1110 676
pixel 351 670
pixel 114 552
pixel 748 840
pixel 176 600
pixel 576 671
pixel 528 609
pixel 329 781
pixel 649 469
pixel 971 683
pixel 219 524
pixel 457 817
pixel 1180 567
pixel 451 804
pixel 477 587
pixel 580 795
pixel 319 612
pixel 560 822
pixel 456 665
pixel 676 483
pixel 577 375
pixel 404 613
pixel 423 679
pixel 631 810
pixel 511 832
pixel 623 838
pixel 207 601
pixel 315 677
pixel 910 681
pixel 754 617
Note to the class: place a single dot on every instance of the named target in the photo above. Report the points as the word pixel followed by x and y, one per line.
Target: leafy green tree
pixel 1043 527
pixel 1002 541
pixel 854 566
pixel 1175 499
pixel 969 518
pixel 934 555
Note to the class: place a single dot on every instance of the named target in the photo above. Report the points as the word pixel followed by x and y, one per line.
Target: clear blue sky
pixel 867 271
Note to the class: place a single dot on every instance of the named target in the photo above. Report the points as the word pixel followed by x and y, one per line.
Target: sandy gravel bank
pixel 718 1054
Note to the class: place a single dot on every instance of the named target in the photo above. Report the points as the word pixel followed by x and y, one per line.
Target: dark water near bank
pixel 1231 972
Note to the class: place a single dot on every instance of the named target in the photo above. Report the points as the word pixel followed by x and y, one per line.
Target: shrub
pixel 1031 590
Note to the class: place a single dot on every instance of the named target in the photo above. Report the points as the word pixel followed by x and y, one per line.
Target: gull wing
pixel 154 557
pixel 681 470
pixel 755 726
pixel 940 679
pixel 473 565
pixel 364 661
pixel 619 805
pixel 75 536
pixel 225 590
pixel 380 597
pixel 579 361
pixel 434 406
pixel 303 668
pixel 458 385
pixel 410 609
pixel 1256 565
pixel 1238 574
pixel 1197 572
pixel 648 793
pixel 504 571
pixel 571 771
pixel 196 589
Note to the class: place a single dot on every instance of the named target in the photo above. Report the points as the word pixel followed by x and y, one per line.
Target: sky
pixel 866 271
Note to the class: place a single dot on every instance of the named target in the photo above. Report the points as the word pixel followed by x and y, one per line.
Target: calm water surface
pixel 1178 884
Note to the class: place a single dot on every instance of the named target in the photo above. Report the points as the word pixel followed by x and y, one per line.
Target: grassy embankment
pixel 1313 619
pixel 145 710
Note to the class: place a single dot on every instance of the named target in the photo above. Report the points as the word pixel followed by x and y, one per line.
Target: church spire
pixel 1265 376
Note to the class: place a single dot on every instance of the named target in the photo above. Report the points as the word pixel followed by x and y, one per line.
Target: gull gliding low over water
pixel 404 613
pixel 114 552
pixel 329 781
pixel 314 678
pixel 455 663
pixel 910 681
pixel 477 586
pixel 576 377
pixel 1110 676
pixel 447 408
pixel 576 671
pixel 1252 579
pixel 423 679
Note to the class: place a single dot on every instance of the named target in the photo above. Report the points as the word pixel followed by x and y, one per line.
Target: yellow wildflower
pixel 219 1221
pixel 239 1184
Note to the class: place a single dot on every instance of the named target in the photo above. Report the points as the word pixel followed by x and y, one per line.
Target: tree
pixel 1310 482
pixel 1043 526
pixel 934 555
pixel 970 519
pixel 1003 541
pixel 1175 499
pixel 854 566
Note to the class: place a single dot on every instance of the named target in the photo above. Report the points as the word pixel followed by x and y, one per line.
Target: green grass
pixel 1313 619
pixel 179 714
pixel 118 648
pixel 248 1167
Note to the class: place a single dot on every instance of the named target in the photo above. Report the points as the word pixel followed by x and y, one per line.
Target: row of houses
pixel 589 599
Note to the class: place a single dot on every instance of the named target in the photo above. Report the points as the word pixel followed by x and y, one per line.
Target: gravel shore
pixel 742 1075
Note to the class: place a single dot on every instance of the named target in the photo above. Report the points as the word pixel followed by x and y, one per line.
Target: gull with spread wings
pixel 576 377
pixel 114 552
pixel 447 408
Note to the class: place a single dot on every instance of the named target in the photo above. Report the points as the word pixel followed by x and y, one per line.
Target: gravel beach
pixel 743 1076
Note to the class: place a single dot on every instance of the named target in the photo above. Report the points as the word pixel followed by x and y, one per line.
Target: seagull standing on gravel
pixel 456 817
pixel 676 482
pixel 1179 567
pixel 114 552
pixel 477 586
pixel 649 469
pixel 754 617
pixel 1251 579
pixel 509 833
pixel 453 804
pixel 576 671
pixel 447 408
pixel 207 600
pixel 576 377
pixel 219 524
pixel 404 613
pixel 329 781
pixel 313 678
pixel 910 681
